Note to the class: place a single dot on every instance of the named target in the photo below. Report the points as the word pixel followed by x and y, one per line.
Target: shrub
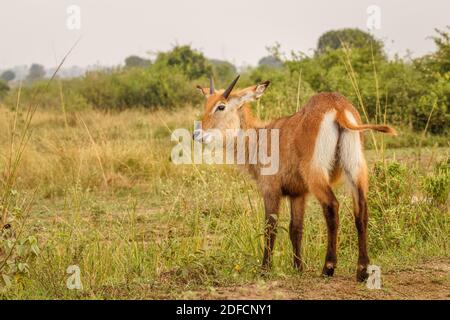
pixel 151 87
pixel 191 63
pixel 354 38
pixel 50 95
pixel 436 186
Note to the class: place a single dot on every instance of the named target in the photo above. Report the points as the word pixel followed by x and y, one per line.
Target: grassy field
pixel 105 196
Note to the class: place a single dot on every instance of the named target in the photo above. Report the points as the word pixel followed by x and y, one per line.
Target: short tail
pixel 347 124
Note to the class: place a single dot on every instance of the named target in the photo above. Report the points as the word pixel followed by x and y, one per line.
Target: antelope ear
pixel 203 91
pixel 261 88
pixel 248 95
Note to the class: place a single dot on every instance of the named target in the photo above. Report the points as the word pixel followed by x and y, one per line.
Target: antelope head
pixel 223 108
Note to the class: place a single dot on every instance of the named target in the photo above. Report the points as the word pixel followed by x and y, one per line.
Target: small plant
pixel 437 185
pixel 389 182
pixel 16 252
pixel 16 248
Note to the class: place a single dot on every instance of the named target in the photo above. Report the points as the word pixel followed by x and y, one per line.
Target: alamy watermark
pixel 230 146
pixel 374 279
pixel 73 21
pixel 74 280
pixel 373 21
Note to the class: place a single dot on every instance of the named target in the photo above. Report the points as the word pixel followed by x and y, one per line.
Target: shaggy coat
pixel 317 146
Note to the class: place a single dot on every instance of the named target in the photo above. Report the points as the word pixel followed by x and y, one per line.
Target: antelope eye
pixel 220 107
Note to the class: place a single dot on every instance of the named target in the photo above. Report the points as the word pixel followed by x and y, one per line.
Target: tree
pixel 136 61
pixel 435 74
pixel 224 71
pixel 36 72
pixel 354 38
pixel 191 62
pixel 438 61
pixel 442 55
pixel 7 75
pixel 271 61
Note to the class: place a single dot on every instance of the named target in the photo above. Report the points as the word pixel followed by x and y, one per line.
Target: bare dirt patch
pixel 428 281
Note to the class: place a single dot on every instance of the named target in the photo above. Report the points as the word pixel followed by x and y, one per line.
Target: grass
pixel 108 199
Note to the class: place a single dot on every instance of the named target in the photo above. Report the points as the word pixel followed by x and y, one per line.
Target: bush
pixel 139 87
pixel 354 38
pixel 412 94
pixel 436 186
pixel 190 62
pixel 51 95
pixel 281 98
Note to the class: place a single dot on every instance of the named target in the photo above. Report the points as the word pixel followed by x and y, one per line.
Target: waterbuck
pixel 317 145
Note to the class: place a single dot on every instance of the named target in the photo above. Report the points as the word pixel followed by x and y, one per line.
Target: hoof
pixel 328 270
pixel 265 269
pixel 361 274
pixel 298 266
pixel 264 273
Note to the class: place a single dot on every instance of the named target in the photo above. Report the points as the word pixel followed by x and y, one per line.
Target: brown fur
pixel 297 177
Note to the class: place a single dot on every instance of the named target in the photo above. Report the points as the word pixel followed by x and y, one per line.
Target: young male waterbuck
pixel 317 145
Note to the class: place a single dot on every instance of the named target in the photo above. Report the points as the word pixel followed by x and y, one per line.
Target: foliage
pixel 7 75
pixel 287 90
pixel 35 73
pixel 223 71
pixel 437 185
pixel 435 71
pixel 136 61
pixel 270 61
pixel 150 87
pixel 17 247
pixel 158 230
pixel 408 93
pixel 354 38
pixel 191 63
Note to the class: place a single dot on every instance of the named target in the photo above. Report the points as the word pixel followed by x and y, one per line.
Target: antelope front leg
pixel 271 204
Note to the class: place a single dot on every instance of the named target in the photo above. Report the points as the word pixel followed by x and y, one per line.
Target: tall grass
pixel 109 200
pixel 158 230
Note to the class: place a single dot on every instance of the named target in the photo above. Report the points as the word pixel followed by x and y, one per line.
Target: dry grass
pixel 109 200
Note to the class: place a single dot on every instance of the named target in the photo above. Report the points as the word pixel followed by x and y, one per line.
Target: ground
pixel 430 280
pixel 427 281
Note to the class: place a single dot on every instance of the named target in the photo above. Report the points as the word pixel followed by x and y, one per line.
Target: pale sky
pixel 239 31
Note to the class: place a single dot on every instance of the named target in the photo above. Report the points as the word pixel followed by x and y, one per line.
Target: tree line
pixel 412 92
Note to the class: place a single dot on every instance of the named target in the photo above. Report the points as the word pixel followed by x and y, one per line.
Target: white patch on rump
pixel 326 143
pixel 350 150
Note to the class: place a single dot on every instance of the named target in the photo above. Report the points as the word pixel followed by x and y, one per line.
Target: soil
pixel 428 281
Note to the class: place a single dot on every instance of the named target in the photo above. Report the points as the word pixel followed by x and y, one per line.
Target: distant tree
pixel 136 61
pixel 442 55
pixel 191 62
pixel 434 74
pixel 223 70
pixel 7 75
pixel 438 61
pixel 354 38
pixel 36 72
pixel 271 61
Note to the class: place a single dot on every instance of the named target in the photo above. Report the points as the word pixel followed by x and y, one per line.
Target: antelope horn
pixel 211 85
pixel 230 87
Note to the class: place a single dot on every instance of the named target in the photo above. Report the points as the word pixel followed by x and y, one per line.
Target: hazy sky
pixel 35 30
